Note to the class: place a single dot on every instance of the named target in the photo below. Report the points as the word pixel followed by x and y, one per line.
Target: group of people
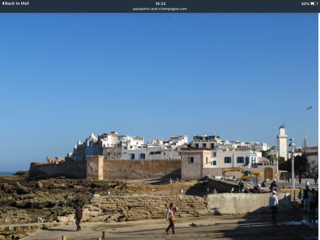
pixel 257 188
pixel 309 200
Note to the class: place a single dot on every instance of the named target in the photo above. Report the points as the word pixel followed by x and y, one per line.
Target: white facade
pixel 179 140
pixel 282 143
pixel 205 141
pixel 259 146
pixel 221 158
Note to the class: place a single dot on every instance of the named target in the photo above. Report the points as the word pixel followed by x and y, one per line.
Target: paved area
pixel 293 225
pixel 282 183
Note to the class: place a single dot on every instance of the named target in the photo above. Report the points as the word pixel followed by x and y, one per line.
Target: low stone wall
pixel 242 203
pixel 71 169
pixel 129 208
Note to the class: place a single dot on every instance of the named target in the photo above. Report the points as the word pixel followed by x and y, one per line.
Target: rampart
pixel 96 167
pixel 69 169
pixel 142 168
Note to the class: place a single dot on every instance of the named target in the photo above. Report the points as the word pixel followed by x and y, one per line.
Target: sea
pixel 7 173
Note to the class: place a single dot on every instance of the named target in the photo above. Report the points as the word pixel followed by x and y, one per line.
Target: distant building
pixel 311 153
pixel 114 146
pixel 205 141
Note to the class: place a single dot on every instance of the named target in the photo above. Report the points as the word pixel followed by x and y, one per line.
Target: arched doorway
pixel 268 173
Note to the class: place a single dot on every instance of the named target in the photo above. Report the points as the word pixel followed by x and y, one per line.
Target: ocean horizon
pixel 7 173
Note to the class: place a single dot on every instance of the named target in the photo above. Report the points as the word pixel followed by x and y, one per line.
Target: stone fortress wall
pixel 97 167
pixel 101 168
pixel 56 169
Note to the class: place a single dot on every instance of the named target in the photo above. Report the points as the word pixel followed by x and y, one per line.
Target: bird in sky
pixel 309 107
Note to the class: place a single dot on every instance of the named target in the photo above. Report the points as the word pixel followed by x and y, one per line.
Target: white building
pixel 205 141
pixel 156 149
pixel 282 143
pixel 231 158
pixel 259 146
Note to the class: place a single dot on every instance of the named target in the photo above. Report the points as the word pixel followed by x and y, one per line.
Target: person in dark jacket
pixel 78 216
pixel 274 186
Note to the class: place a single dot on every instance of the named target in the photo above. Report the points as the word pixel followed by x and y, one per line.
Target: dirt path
pixel 222 227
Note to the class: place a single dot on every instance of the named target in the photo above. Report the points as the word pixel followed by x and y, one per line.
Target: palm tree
pixel 272 157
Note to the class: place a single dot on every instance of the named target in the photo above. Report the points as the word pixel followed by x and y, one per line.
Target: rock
pixel 39 185
pixel 109 220
pixel 7 188
pixel 23 190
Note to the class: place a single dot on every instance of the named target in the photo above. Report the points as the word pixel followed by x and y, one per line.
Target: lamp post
pixel 292 147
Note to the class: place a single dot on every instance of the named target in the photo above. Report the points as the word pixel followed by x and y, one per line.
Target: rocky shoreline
pixel 26 202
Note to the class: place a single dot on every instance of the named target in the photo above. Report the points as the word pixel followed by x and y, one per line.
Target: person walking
pixel 274 205
pixel 315 178
pixel 78 216
pixel 300 179
pixel 305 198
pixel 312 201
pixel 171 213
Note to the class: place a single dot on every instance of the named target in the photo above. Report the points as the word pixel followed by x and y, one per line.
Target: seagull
pixel 109 193
pixel 208 189
pixel 15 220
pixel 181 191
pixel 6 220
pixel 309 107
pixel 232 189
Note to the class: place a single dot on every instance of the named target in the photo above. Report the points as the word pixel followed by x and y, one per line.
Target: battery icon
pixel 314 3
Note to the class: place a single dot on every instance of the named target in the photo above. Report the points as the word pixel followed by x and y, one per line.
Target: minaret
pixel 282 143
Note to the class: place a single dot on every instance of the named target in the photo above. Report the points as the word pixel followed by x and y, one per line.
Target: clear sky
pixel 239 76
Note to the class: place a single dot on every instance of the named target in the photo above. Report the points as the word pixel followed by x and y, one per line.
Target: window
pixel 197 145
pixel 119 154
pixel 114 154
pixel 142 156
pixel 132 156
pixel 227 160
pixel 214 154
pixel 191 160
pixel 207 160
pixel 204 145
pixel 240 160
pixel 213 163
pixel 212 145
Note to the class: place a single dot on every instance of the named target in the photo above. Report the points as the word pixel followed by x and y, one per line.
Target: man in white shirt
pixel 274 205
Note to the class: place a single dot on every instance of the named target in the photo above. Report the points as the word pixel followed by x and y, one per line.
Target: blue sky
pixel 239 76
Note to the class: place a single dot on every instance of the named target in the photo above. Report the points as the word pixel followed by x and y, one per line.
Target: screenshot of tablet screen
pixel 183 91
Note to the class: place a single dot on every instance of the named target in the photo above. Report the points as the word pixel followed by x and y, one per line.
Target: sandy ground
pixel 293 225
